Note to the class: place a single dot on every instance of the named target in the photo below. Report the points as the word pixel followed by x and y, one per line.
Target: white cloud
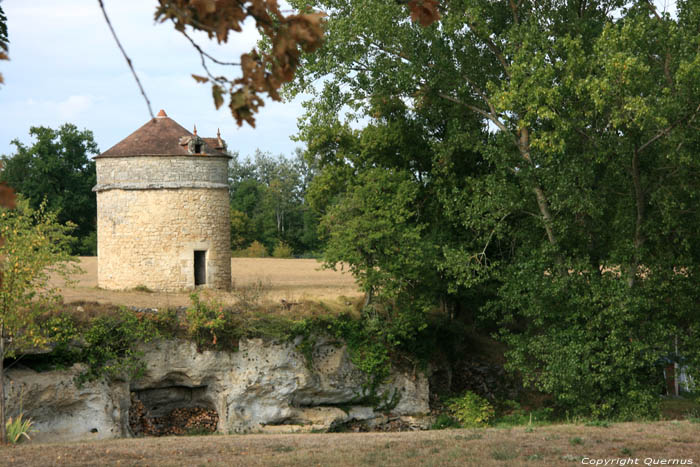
pixel 73 107
pixel 69 109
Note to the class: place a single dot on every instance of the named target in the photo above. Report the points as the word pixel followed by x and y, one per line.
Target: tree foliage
pixel 33 247
pixel 557 142
pixel 376 230
pixel 268 203
pixel 262 72
pixel 57 167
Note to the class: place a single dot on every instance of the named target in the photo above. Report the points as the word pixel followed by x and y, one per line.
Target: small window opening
pixel 197 148
pixel 200 267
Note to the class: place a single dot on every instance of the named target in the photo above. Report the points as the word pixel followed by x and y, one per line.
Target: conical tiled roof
pixel 161 136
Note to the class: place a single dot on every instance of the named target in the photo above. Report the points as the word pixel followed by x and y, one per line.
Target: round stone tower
pixel 163 218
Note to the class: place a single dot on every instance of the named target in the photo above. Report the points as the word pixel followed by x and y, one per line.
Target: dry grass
pixel 292 280
pixel 551 445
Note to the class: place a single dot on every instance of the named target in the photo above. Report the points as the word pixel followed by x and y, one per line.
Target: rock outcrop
pixel 265 386
pixel 62 411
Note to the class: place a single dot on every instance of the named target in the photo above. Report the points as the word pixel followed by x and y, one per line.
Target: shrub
pixel 165 321
pixel 250 295
pixel 62 331
pixel 470 409
pixel 255 250
pixel 210 325
pixel 516 415
pixel 282 250
pixel 18 428
pixel 444 421
pixel 110 344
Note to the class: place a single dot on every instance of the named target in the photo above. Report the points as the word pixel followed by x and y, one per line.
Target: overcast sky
pixel 65 67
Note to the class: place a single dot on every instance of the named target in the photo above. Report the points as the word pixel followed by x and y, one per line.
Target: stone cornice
pixel 159 186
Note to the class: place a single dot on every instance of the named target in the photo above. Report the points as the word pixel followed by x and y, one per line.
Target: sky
pixel 66 68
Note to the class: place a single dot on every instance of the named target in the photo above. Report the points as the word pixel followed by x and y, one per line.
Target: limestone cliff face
pixel 63 412
pixel 265 386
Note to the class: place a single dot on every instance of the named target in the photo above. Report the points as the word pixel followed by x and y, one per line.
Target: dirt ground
pixel 674 443
pixel 278 279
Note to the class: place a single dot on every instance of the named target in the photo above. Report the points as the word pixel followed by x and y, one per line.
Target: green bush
pixel 87 245
pixel 166 321
pixel 282 250
pixel 110 344
pixel 587 340
pixel 514 414
pixel 470 409
pixel 444 421
pixel 62 331
pixel 210 325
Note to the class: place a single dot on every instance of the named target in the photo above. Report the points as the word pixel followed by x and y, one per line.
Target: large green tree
pixel 57 167
pixel 576 184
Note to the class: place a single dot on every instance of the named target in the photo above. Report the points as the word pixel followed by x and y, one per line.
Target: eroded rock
pixel 62 411
pixel 265 386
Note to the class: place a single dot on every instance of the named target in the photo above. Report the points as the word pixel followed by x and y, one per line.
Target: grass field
pixel 565 445
pixel 279 279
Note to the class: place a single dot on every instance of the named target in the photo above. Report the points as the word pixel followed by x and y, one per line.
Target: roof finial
pixel 162 114
pixel 218 133
pixel 195 130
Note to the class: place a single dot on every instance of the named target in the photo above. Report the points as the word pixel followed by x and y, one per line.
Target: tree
pixel 576 184
pixel 376 230
pixel 57 167
pixel 267 199
pixel 34 246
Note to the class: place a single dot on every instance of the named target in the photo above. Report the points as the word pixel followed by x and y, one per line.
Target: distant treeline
pixel 269 214
pixel 57 168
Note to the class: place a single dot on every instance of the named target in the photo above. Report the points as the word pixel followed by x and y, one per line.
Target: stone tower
pixel 163 218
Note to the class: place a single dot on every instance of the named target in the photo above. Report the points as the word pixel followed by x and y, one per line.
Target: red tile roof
pixel 162 136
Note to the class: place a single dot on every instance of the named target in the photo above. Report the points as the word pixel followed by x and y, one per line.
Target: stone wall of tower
pixel 153 213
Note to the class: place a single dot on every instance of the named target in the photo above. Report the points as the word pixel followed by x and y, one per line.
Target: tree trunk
pixel 368 298
pixel 639 205
pixel 542 202
pixel 278 217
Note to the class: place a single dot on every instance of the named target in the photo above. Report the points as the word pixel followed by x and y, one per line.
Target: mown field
pixel 277 279
pixel 649 443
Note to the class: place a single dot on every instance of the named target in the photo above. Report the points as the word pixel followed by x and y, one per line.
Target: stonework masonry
pixel 154 212
pixel 161 169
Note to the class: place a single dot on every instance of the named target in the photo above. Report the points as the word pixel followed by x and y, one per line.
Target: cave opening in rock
pixel 172 410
